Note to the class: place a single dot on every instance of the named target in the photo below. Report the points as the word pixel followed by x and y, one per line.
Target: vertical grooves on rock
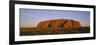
pixel 59 23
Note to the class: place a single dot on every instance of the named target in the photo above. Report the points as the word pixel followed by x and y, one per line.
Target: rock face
pixel 44 24
pixel 63 23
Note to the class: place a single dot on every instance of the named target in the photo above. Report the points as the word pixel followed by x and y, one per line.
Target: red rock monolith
pixel 59 23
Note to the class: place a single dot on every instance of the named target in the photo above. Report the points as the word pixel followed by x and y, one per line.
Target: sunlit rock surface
pixel 59 23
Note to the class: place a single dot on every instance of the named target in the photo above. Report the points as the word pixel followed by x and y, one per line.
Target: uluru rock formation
pixel 59 23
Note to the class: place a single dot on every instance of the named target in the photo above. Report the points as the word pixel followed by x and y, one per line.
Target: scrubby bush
pixel 50 31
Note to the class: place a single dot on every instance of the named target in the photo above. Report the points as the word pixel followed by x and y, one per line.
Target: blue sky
pixel 31 17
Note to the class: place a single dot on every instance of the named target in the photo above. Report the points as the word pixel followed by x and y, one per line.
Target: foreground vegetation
pixel 50 31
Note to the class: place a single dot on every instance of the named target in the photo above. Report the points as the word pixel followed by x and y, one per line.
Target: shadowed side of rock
pixel 76 24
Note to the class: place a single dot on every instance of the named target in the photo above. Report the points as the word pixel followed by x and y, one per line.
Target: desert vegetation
pixel 50 31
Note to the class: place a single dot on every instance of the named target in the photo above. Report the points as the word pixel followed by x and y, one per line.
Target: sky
pixel 31 17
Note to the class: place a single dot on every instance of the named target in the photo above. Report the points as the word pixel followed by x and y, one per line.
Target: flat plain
pixel 52 31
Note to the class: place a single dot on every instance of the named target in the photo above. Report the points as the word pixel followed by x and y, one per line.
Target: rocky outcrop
pixel 44 24
pixel 68 24
pixel 59 23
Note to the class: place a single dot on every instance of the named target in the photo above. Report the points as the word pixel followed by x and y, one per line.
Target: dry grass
pixel 50 31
